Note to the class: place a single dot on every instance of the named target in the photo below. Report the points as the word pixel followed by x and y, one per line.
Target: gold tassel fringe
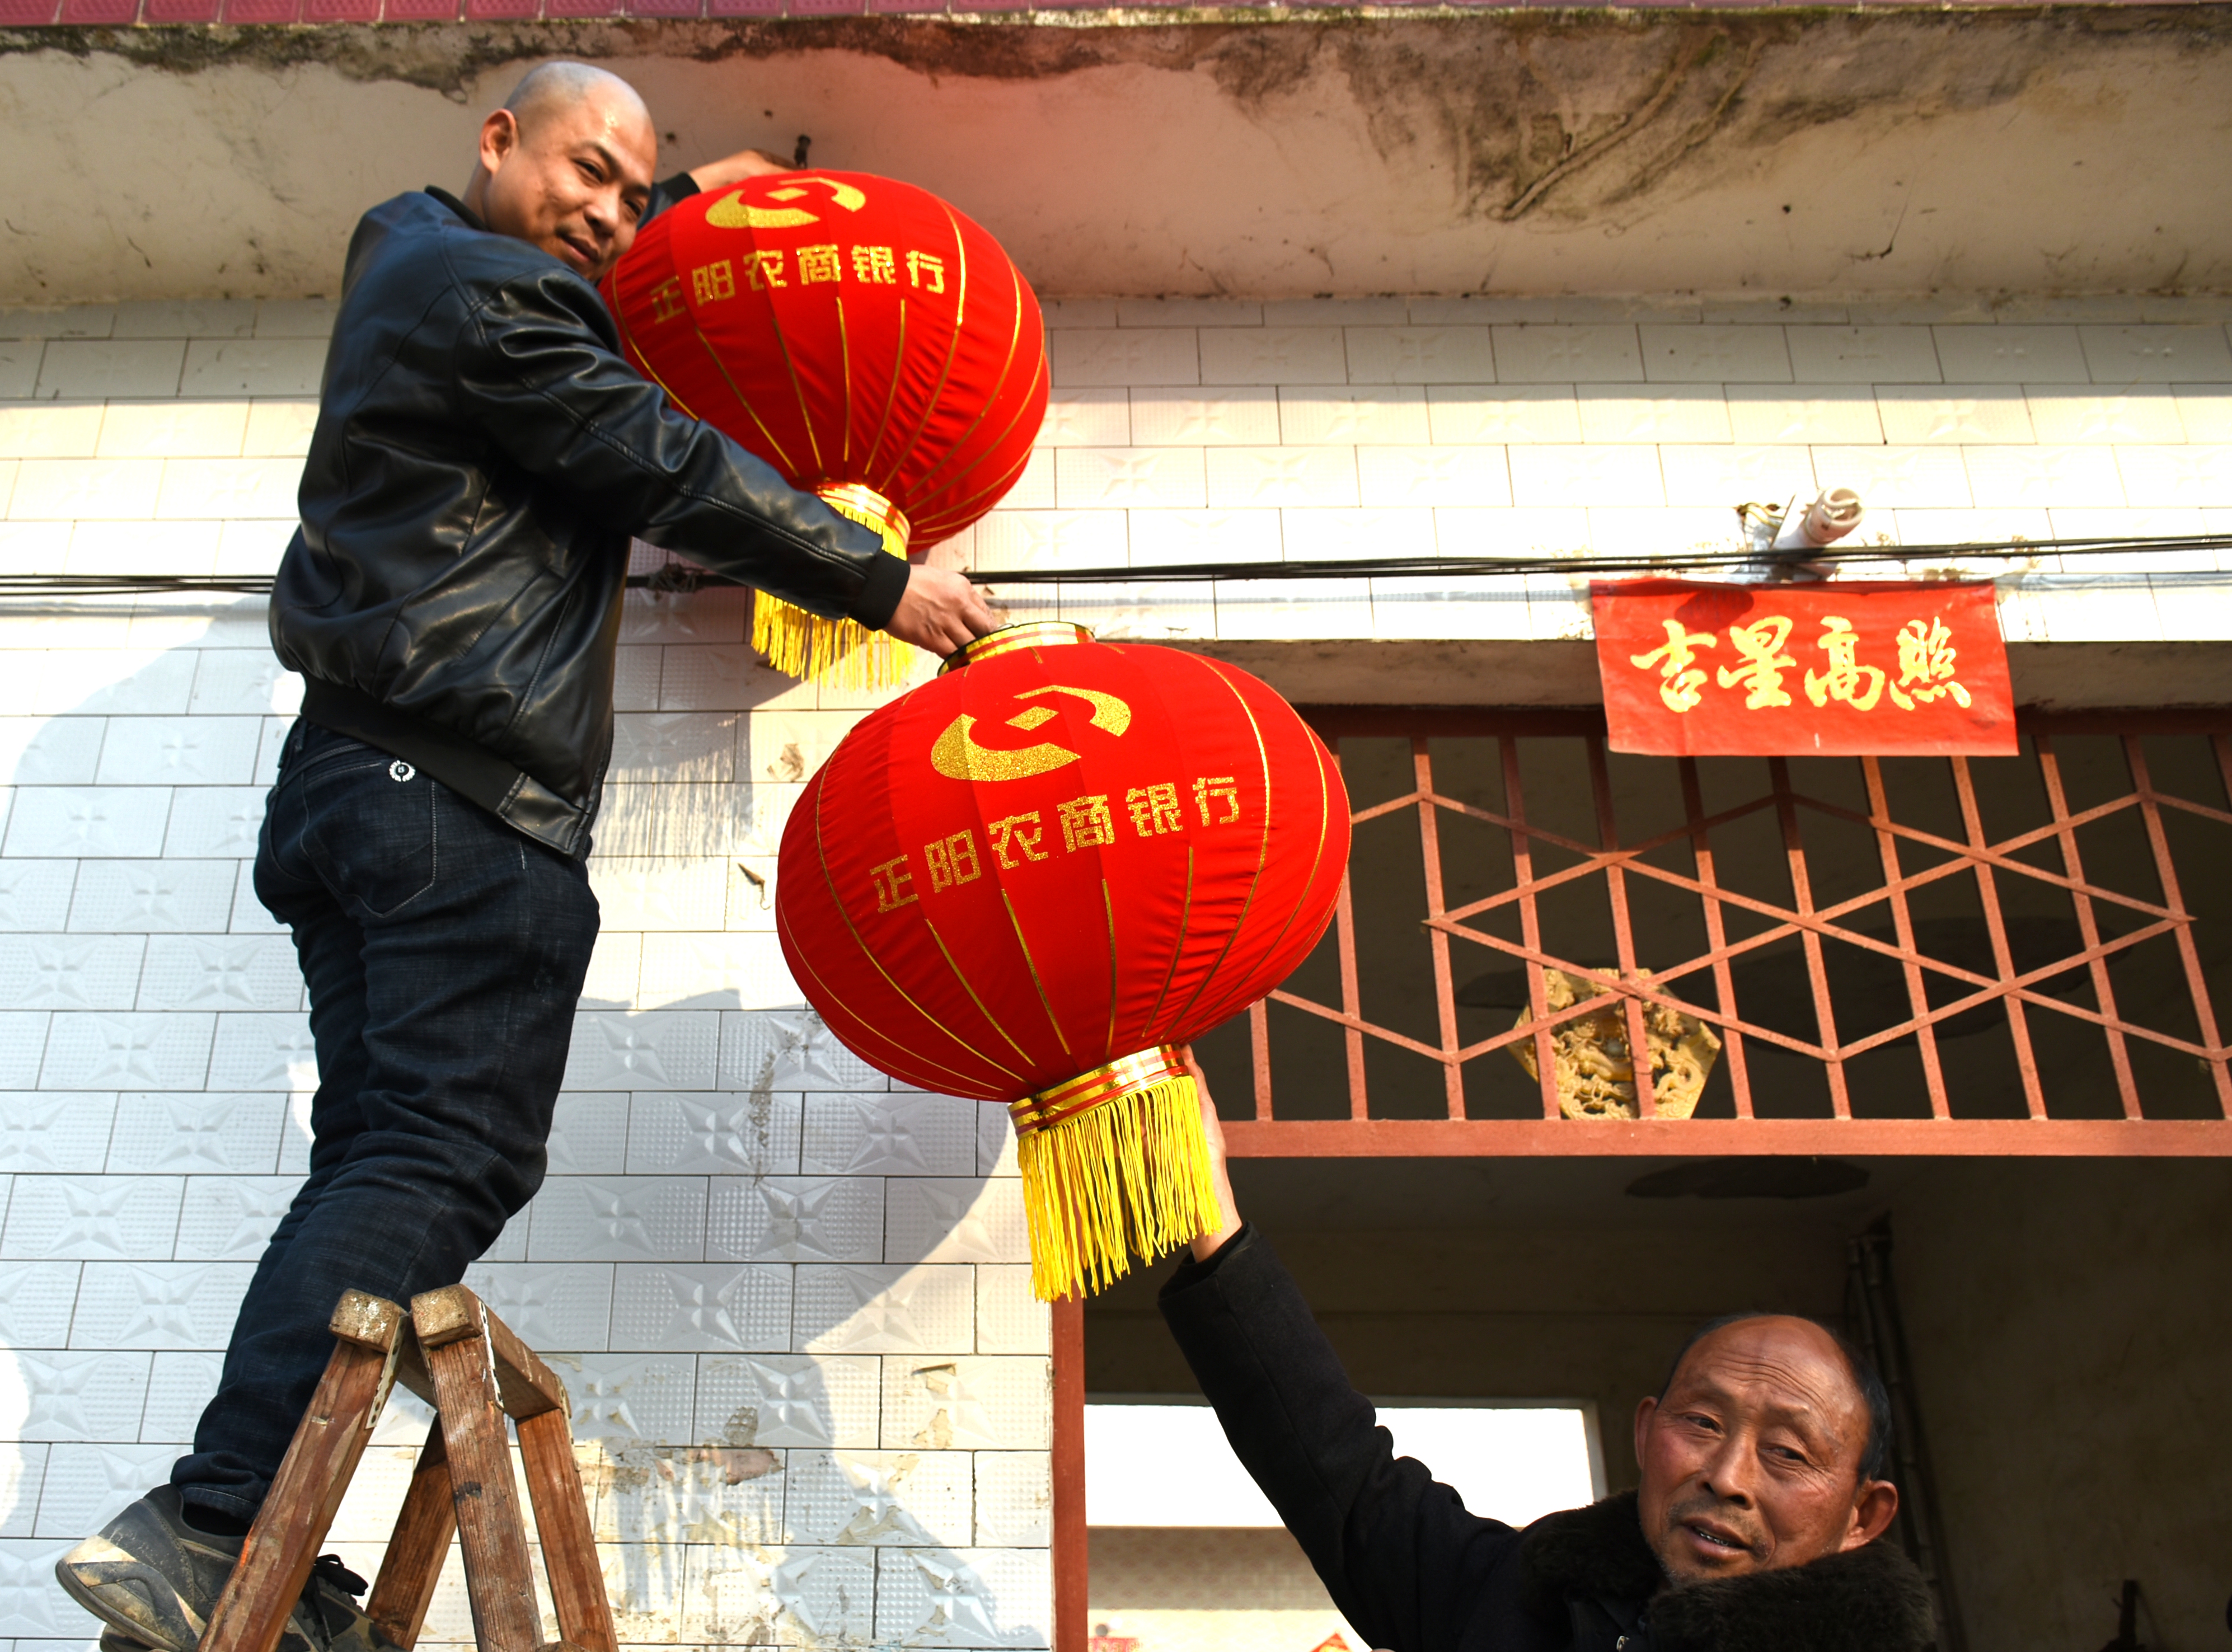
pixel 838 651
pixel 1129 1177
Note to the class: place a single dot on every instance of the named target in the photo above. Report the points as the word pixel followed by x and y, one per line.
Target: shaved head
pixel 554 87
pixel 566 164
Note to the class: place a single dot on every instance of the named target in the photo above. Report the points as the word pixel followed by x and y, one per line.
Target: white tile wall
pixel 792 1301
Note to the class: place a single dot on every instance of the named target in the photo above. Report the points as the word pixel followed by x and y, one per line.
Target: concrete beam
pixel 1257 153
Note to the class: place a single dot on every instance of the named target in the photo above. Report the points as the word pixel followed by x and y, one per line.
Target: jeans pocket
pixel 372 830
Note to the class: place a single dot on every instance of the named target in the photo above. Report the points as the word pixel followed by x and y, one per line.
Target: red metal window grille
pixel 1896 954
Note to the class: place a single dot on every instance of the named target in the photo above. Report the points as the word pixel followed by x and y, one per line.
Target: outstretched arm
pixel 1207 1245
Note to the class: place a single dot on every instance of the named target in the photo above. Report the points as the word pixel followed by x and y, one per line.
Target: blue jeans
pixel 445 954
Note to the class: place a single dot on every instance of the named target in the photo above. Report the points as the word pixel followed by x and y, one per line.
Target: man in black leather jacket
pixel 483 455
pixel 1754 1528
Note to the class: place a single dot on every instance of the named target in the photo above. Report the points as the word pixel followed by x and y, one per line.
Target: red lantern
pixel 862 337
pixel 1029 880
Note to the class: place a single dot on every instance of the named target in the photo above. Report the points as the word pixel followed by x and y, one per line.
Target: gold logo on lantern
pixel 734 213
pixel 957 756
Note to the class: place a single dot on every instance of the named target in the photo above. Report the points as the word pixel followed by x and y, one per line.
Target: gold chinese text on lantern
pixel 1594 1068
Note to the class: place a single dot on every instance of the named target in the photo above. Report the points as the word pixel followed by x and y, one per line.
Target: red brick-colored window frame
pixel 2162 1078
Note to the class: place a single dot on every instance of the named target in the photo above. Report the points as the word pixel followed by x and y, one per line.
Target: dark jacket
pixel 1414 1573
pixel 482 454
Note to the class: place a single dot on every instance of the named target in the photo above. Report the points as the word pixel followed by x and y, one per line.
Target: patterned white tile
pixel 938 1219
pixel 715 676
pixel 87 1486
pixel 1936 413
pixel 588 1134
pixel 1803 412
pixel 154 897
pixel 1567 355
pixel 1049 539
pixel 1081 417
pixel 878 1496
pixel 2139 413
pixel 674 746
pixel 1033 488
pixel 893 1134
pixel 1481 413
pixel 2200 474
pixel 711 1307
pixel 883 1310
pixel 723 970
pixel 50 751
pixel 2076 522
pixel 2206 411
pixel 787 1049
pixel 22 1045
pixel 88 679
pixel 1015 1498
pixel 1010 1320
pixel 1727 476
pixel 713 615
pixel 258 367
pixel 1135 355
pixel 71 972
pixel 967 1403
pixel 220 318
pixel 229 1218
pixel 1098 478
pixel 623 1400
pixel 60 490
pixel 1180 537
pixel 52 430
pixel 661 892
pixel 1599 474
pixel 789 1400
pixel 2043 475
pixel 1273 356
pixel 2129 355
pixel 1188 312
pixel 2011 355
pixel 279 425
pixel 1421 355
pixel 551 1304
pixel 88 821
pixel 967 1597
pixel 31 1602
pixel 1241 476
pixel 1450 607
pixel 212 820
pixel 181 1385
pixel 36 894
pixel 220 972
pixel 805 1597
pixel 797 1219
pixel 107 367
pixel 89 1216
pixel 653 1050
pixel 714 1133
pixel 996 1143
pixel 49 1133
pixel 243 682
pixel 206 488
pixel 1433 476
pixel 616 1219
pixel 23 1466
pixel 1696 414
pixel 730 1495
pixel 1340 414
pixel 82 1394
pixel 1715 354
pixel 235 1134
pixel 90 1051
pixel 1213 417
pixel 159 1305
pixel 36 1299
pixel 1896 477
pixel 1669 531
pixel 1862 355
pixel 257 1051
pixel 1331 535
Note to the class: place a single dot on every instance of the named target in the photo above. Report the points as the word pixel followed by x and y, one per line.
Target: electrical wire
pixel 679 577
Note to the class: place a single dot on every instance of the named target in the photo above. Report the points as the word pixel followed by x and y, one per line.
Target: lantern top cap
pixel 1012 639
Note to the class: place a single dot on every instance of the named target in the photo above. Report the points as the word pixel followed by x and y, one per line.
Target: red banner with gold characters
pixel 1812 671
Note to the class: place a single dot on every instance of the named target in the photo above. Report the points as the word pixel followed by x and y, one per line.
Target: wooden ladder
pixel 459 1357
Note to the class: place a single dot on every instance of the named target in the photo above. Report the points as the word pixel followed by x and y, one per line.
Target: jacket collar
pixel 456 206
pixel 1869 1599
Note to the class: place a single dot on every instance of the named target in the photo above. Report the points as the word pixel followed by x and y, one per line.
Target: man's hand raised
pixel 940 611
pixel 1207 1245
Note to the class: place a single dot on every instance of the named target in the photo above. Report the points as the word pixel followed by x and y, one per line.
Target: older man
pixel 481 456
pixel 1762 1488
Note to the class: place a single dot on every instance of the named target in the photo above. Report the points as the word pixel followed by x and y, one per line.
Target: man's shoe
pixel 154 1580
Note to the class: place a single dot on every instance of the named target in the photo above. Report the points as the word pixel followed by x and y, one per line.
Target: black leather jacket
pixel 481 454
